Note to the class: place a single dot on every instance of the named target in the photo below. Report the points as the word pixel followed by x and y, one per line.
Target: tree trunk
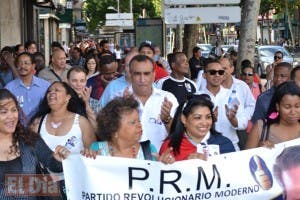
pixel 178 37
pixel 250 10
pixel 289 22
pixel 269 29
pixel 262 28
pixel 191 36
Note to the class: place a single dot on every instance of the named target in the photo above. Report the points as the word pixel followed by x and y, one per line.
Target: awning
pixel 45 3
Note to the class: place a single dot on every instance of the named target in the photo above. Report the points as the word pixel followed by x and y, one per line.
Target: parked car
pixel 264 55
pixel 205 49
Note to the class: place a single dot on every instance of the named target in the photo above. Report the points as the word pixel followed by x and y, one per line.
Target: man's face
pixel 76 54
pixel 147 52
pixel 142 77
pixel 109 71
pixel 226 65
pixel 25 66
pixel 281 75
pixel 278 58
pixel 248 75
pixel 106 46
pixel 59 59
pixel 214 75
pixel 181 65
pixel 291 182
pixel 77 81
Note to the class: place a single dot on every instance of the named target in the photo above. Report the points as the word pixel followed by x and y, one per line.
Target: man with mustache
pixel 28 89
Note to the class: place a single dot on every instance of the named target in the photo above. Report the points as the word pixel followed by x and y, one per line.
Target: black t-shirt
pixel 10 167
pixel 180 89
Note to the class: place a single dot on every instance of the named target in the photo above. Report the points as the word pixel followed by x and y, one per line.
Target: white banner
pixel 228 176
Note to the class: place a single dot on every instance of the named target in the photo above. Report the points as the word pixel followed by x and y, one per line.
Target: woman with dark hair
pixel 61 120
pixel 62 117
pixel 21 150
pixel 283 122
pixel 120 131
pixel 192 131
pixel 91 66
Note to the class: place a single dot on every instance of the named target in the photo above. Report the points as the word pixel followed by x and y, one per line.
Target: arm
pixel 45 156
pixel 254 135
pixel 88 135
pixel 85 95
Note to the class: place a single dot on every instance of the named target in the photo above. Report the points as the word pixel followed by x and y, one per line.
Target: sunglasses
pixel 247 74
pixel 214 72
pixel 277 57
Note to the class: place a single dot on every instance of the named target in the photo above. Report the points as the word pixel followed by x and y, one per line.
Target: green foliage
pixel 95 10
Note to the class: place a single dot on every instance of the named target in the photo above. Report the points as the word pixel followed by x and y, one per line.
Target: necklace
pixel 55 125
pixel 112 151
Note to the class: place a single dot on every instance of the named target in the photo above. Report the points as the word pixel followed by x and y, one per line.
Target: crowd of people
pixel 89 99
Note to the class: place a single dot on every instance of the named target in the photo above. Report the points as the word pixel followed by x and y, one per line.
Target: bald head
pixel 58 59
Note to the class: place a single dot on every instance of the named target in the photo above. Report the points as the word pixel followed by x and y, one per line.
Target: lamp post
pixel 118 8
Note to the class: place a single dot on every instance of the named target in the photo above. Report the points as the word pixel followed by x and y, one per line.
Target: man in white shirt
pixel 243 93
pixel 157 107
pixel 228 121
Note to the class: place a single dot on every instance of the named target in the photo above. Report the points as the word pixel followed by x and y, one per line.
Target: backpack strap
pixel 146 149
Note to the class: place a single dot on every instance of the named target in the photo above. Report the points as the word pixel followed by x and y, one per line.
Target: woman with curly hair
pixel 21 150
pixel 120 131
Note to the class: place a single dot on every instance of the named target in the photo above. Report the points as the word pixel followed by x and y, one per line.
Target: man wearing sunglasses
pixel 227 122
pixel 278 58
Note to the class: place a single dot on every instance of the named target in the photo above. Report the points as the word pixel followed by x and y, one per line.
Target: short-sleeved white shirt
pixel 153 128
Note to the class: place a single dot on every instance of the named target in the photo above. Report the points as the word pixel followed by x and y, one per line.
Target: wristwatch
pixel 167 120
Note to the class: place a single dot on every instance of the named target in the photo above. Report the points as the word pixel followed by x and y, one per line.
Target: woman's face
pixel 91 65
pixel 198 122
pixel 57 96
pixel 130 127
pixel 289 108
pixel 9 116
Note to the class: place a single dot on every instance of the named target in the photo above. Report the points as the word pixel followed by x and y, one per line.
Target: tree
pixel 288 8
pixel 191 36
pixel 250 10
pixel 95 10
pixel 265 7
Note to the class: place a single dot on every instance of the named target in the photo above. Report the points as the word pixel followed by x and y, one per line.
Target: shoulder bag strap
pixel 55 74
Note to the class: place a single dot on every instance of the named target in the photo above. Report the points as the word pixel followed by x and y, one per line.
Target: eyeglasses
pixel 247 74
pixel 277 57
pixel 214 72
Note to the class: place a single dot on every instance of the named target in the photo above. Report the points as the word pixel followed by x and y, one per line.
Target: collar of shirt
pixel 204 140
pixel 34 81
